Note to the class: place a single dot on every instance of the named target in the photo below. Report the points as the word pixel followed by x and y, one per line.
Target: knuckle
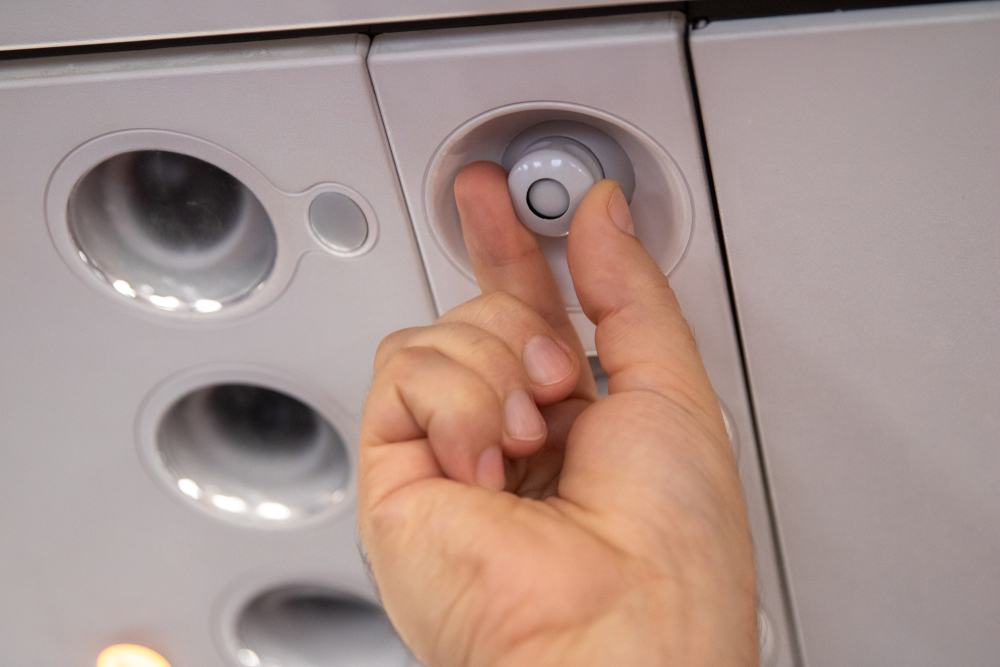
pixel 499 301
pixel 496 361
pixel 475 402
pixel 407 361
pixel 473 346
pixel 391 344
pixel 508 316
pixel 411 355
pixel 487 309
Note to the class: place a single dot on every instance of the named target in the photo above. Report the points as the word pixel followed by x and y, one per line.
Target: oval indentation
pixel 253 454
pixel 171 231
pixel 311 626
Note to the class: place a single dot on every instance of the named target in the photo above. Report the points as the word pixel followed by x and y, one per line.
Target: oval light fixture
pixel 130 655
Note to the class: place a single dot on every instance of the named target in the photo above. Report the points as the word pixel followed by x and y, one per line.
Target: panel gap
pixel 796 638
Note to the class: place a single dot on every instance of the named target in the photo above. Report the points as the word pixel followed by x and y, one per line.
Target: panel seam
pixel 795 640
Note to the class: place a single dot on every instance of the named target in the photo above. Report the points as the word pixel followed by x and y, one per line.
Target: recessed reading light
pixel 130 655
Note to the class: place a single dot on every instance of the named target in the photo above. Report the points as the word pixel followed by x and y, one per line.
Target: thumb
pixel 643 340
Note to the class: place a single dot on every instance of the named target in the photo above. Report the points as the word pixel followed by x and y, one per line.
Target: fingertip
pixel 619 212
pixel 489 470
pixel 492 232
pixel 596 207
pixel 546 362
pixel 524 425
pixel 606 260
pixel 474 177
pixel 622 289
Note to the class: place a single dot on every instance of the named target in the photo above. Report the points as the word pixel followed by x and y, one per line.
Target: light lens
pixel 130 655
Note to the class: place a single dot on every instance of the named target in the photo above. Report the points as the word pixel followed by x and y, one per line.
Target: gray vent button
pixel 338 221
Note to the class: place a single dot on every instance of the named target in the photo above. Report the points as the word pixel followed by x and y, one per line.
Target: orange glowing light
pixel 130 655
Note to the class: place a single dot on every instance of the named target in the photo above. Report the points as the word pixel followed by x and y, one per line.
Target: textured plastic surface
pixel 98 548
pixel 856 159
pixel 431 140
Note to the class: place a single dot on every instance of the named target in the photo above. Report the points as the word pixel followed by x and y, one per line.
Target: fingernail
pixel 618 210
pixel 545 362
pixel 521 417
pixel 489 470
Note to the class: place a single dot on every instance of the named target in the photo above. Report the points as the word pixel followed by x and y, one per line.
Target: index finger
pixel 506 257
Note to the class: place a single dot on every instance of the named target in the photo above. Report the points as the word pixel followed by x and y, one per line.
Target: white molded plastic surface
pixel 62 23
pixel 635 91
pixel 98 549
pixel 856 158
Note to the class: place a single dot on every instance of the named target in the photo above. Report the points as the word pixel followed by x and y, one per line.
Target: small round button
pixel 548 198
pixel 338 221
pixel 548 182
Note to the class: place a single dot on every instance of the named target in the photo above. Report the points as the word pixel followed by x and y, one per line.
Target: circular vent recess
pixel 171 231
pixel 305 626
pixel 251 454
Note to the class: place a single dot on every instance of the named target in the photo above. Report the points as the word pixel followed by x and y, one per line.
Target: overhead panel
pixel 856 159
pixel 202 248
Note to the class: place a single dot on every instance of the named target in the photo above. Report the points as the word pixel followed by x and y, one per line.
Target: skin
pixel 511 517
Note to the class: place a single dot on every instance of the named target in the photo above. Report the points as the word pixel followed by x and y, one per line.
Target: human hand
pixel 621 537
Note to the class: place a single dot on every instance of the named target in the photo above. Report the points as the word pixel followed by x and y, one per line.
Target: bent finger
pixel 499 367
pixel 550 363
pixel 426 417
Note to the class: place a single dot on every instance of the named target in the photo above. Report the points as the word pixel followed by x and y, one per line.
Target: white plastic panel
pixel 856 159
pixel 63 22
pixel 465 94
pixel 100 544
